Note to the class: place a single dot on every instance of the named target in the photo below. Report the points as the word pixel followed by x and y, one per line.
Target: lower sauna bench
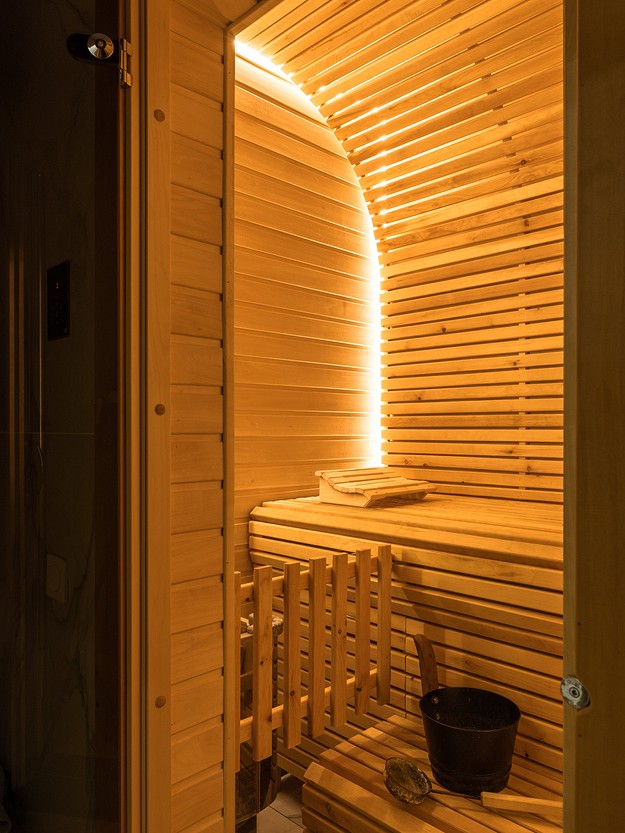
pixel 345 791
pixel 481 578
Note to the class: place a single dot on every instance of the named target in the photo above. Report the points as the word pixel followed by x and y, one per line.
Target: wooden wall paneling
pixel 200 791
pixel 303 314
pixel 458 148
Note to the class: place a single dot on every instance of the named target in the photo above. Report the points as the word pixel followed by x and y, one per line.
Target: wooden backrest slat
pixel 316 649
pixel 363 629
pixel 338 698
pixel 262 686
pixel 384 563
pixel 236 659
pixel 292 671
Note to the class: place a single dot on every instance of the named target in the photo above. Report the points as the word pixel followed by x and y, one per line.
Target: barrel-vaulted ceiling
pixel 451 114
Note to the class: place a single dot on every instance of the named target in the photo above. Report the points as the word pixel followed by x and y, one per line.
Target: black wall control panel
pixel 58 300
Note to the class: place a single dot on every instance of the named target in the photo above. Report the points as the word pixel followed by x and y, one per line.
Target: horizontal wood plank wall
pixel 196 449
pixel 451 114
pixel 481 578
pixel 305 278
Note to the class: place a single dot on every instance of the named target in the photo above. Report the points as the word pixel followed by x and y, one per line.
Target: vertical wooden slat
pixel 292 661
pixel 385 559
pixel 363 630
pixel 236 661
pixel 156 218
pixel 338 696
pixel 232 725
pixel 262 685
pixel 316 644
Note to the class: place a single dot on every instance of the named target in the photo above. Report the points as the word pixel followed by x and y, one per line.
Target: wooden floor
pixel 345 791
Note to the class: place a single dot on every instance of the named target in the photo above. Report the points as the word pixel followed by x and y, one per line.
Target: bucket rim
pixel 426 698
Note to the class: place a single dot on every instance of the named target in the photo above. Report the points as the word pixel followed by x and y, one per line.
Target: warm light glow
pixel 374 386
pixel 245 51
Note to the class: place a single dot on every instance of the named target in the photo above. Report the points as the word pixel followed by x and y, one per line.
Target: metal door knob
pixel 100 46
pixel 95 47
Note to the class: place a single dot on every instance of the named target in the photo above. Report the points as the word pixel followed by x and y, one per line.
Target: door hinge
pixel 125 52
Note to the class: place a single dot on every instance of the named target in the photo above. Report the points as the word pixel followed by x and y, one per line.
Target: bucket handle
pixel 427 663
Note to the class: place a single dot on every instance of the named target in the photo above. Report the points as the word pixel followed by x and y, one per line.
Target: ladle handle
pixel 522 804
pixel 427 663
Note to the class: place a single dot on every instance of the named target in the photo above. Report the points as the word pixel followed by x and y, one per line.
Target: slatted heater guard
pixel 261 592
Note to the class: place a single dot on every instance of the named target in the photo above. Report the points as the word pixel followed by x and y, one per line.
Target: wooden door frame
pixel 145 201
pixel 594 409
pixel 131 211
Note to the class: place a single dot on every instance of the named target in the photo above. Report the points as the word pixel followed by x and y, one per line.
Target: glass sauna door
pixel 60 747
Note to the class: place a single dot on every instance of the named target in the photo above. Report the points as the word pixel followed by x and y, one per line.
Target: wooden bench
pixel 481 578
pixel 345 793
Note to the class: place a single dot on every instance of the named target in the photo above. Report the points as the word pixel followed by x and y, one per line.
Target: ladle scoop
pixel 410 784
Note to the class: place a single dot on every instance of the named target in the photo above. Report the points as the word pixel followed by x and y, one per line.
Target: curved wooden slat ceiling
pixel 451 114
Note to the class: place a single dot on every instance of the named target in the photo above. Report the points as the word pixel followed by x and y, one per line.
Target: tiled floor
pixel 285 814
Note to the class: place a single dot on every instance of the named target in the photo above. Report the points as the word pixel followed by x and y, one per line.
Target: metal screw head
pixel 574 693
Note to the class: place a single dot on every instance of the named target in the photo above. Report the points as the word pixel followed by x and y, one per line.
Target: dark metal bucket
pixel 470 734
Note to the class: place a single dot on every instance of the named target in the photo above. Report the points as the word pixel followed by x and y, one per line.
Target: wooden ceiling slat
pixel 477 350
pixel 485 178
pixel 483 338
pixel 484 222
pixel 487 315
pixel 460 459
pixel 463 212
pixel 527 366
pixel 437 386
pixel 323 36
pixel 280 17
pixel 547 289
pixel 318 22
pixel 478 80
pixel 499 326
pixel 442 64
pixel 520 245
pixel 474 405
pixel 541 90
pixel 492 433
pixel 480 42
pixel 482 188
pixel 388 187
pixel 440 23
pixel 479 236
pixel 502 391
pixel 348 33
pixel 472 273
pixel 396 211
pixel 480 304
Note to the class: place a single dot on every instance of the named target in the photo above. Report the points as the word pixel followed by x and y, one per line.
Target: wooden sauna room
pixel 377 235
